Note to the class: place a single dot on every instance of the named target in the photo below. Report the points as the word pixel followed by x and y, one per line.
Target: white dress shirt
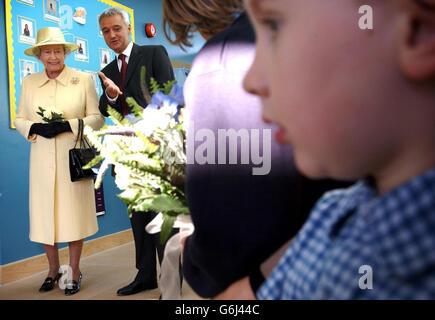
pixel 127 53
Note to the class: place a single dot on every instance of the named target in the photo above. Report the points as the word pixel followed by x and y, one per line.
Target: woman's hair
pixel 113 11
pixel 209 17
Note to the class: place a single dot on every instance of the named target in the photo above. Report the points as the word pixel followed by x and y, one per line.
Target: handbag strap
pixel 80 133
pixel 80 137
pixel 84 141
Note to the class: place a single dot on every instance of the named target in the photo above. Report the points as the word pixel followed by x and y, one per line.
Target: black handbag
pixel 79 157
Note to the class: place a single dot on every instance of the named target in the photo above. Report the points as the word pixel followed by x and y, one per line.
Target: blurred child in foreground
pixel 354 104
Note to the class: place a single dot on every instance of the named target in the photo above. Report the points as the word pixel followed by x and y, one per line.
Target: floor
pixel 103 274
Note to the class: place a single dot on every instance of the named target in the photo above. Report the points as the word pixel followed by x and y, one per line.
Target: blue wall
pixel 14 150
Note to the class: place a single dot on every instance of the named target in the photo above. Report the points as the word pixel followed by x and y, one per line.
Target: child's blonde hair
pixel 209 17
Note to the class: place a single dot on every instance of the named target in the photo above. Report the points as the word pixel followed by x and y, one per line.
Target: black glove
pixel 49 130
pixel 60 127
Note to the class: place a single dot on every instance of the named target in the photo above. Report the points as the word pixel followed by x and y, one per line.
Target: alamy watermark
pixel 366 280
pixel 229 144
pixel 365 22
pixel 65 280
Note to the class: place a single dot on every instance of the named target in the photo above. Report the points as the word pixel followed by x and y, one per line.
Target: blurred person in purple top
pixel 245 196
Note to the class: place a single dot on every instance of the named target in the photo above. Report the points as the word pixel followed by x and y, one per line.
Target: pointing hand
pixel 112 89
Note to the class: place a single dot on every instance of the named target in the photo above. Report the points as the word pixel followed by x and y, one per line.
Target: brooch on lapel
pixel 75 80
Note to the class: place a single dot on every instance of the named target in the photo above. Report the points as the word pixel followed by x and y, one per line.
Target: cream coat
pixel 60 210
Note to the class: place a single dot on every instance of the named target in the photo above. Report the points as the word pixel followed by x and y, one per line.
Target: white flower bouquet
pixel 50 114
pixel 148 151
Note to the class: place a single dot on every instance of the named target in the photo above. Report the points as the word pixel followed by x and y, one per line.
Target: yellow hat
pixel 49 36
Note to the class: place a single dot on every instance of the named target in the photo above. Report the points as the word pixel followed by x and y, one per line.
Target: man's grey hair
pixel 112 11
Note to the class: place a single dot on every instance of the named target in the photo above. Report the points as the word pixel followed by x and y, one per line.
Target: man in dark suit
pixel 121 79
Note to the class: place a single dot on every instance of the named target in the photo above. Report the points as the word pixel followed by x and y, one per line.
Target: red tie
pixel 121 83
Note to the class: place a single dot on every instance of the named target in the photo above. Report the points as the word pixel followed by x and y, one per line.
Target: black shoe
pixel 49 283
pixel 73 287
pixel 136 286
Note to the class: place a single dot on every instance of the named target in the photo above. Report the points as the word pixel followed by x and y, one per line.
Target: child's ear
pixel 417 44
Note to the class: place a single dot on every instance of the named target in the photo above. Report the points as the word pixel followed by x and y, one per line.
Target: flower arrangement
pixel 50 115
pixel 147 149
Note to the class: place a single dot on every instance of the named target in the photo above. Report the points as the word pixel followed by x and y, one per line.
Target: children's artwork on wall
pixel 80 15
pixel 78 20
pixel 51 10
pixel 81 54
pixel 105 57
pixel 28 2
pixel 27 67
pixel 26 30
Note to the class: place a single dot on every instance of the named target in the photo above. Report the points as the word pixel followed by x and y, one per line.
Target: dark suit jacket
pixel 157 64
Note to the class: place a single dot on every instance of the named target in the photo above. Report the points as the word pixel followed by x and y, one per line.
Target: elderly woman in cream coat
pixel 60 210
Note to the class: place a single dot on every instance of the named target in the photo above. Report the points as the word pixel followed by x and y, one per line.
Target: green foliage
pixel 116 117
pixel 163 203
pixel 169 207
pixel 93 162
pixel 55 117
pixel 135 107
pixel 143 85
pixel 167 87
pixel 128 197
pixel 155 86
pixel 41 112
pixel 168 223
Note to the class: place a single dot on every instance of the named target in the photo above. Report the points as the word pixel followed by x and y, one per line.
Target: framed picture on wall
pixel 27 67
pixel 51 10
pixel 82 53
pixel 80 15
pixel 26 30
pixel 28 2
pixel 105 57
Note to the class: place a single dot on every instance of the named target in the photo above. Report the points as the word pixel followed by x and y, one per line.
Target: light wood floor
pixel 103 274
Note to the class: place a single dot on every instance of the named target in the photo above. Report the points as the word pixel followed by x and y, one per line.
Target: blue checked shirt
pixel 357 245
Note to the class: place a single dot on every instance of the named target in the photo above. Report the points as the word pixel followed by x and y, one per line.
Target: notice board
pixel 78 20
